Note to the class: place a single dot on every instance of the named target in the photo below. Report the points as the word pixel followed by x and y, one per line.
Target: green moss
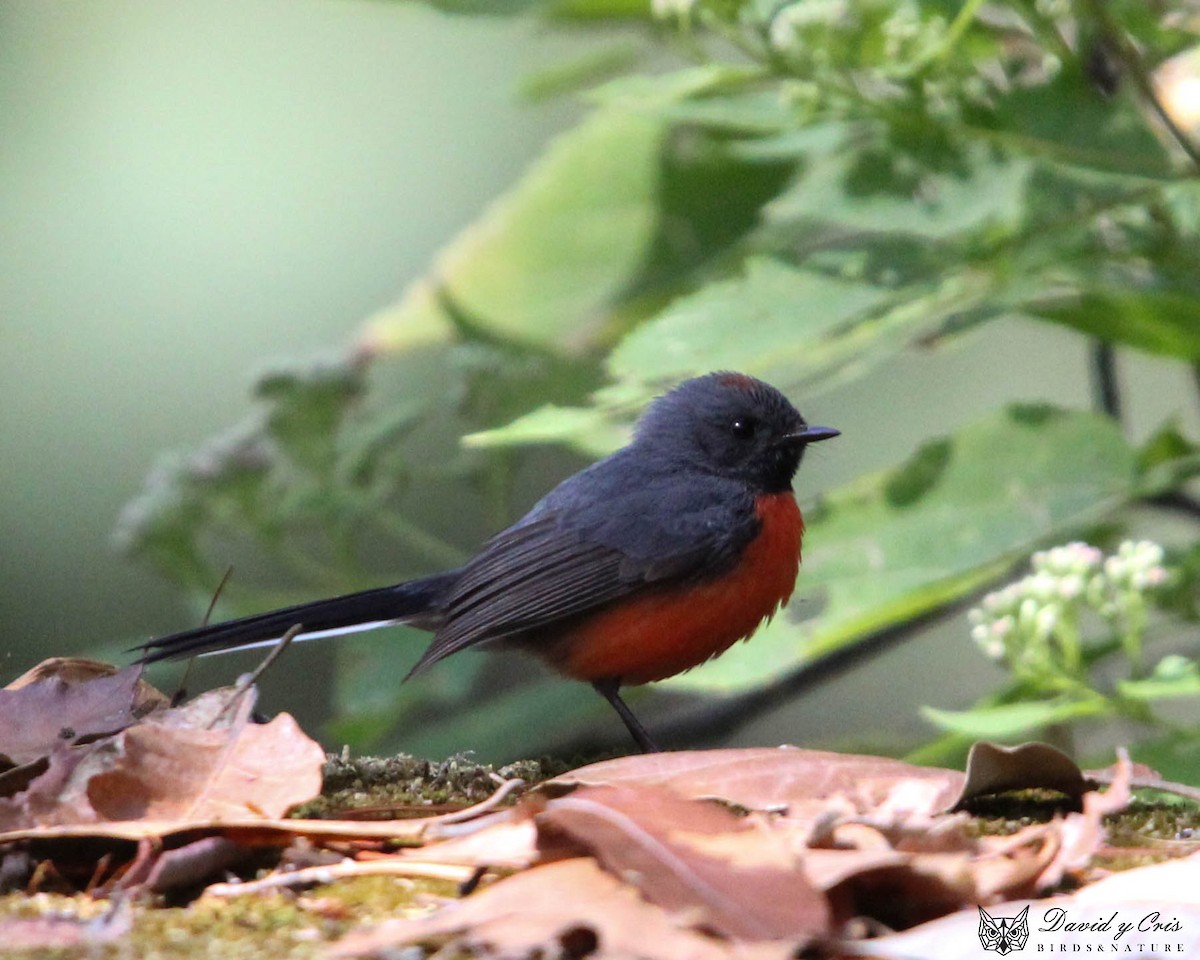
pixel 283 925
pixel 404 785
pixel 380 897
pixel 1155 822
pixel 1009 812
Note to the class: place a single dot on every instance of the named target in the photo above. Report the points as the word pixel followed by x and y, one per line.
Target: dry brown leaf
pixel 61 700
pixel 773 778
pixel 827 869
pixel 570 908
pixel 169 768
pixel 506 839
pixel 736 875
pixel 993 768
pixel 267 831
pixel 78 670
pixel 1009 866
pixel 894 887
pixel 174 772
pixel 45 799
pixel 1083 833
pixel 866 875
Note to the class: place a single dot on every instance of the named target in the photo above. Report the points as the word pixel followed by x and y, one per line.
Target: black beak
pixel 811 435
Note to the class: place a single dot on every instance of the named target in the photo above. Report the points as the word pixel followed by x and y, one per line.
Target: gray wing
pixel 560 563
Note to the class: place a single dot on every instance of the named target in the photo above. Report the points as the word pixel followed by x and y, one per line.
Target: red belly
pixel 668 631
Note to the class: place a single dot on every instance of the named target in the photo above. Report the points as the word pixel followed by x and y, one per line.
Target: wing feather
pixel 568 557
pixel 524 578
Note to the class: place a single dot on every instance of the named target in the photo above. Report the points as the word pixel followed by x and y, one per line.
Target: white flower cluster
pixel 1136 566
pixel 1036 621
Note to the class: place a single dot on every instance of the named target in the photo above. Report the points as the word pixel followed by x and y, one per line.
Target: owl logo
pixel 1003 934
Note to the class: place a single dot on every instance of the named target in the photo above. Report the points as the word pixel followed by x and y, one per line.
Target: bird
pixel 647 563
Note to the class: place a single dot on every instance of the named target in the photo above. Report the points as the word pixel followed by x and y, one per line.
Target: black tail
pixel 412 602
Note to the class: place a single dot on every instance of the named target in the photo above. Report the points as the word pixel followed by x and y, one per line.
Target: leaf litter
pixel 719 853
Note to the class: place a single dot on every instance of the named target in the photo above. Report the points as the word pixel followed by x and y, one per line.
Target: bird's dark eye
pixel 743 428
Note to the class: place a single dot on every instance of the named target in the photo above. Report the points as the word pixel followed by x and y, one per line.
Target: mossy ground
pixel 403 785
pixel 296 925
pixel 282 926
pixel 290 925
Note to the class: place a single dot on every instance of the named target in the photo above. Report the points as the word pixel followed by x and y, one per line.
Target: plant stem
pixel 1131 59
pixel 1104 378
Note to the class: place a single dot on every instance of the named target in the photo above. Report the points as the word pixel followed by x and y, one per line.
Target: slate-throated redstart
pixel 649 562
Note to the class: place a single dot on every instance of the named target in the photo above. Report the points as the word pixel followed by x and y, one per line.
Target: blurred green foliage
pixel 813 188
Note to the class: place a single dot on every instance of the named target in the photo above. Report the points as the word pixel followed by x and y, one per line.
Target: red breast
pixel 666 631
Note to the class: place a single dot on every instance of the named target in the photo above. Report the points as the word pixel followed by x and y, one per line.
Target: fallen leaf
pixel 196 847
pixel 1083 833
pixel 773 778
pixel 170 768
pixel 865 876
pixel 265 830
pixel 738 878
pixel 62 700
pixel 993 768
pixel 506 839
pixel 568 908
pixel 191 864
pixel 45 798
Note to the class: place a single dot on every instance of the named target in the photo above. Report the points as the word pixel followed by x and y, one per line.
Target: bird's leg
pixel 609 690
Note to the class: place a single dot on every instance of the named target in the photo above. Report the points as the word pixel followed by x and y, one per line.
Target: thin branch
pixel 1131 59
pixel 180 693
pixel 1178 502
pixel 1105 388
pixel 212 603
pixel 252 678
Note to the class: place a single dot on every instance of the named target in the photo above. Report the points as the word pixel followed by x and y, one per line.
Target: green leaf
pixel 547 261
pixel 793 327
pixel 1158 317
pixel 585 70
pixel 1068 120
pixel 1012 720
pixel 1174 676
pixel 636 10
pixel 491 8
pixel 960 512
pixel 765 319
pixel 588 429
pixel 663 93
pixel 881 190
pixel 1175 756
pixel 785 324
pixel 550 9
pixel 307 407
pixel 1167 460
